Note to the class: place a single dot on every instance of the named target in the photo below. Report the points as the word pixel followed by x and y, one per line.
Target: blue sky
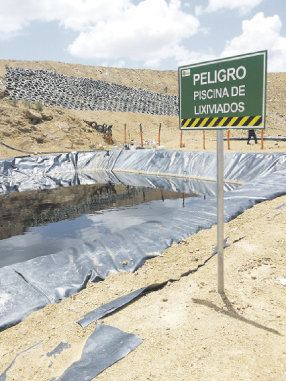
pixel 147 34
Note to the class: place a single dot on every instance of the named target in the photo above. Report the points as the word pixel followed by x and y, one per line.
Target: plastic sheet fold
pixel 18 298
pixel 105 346
pixel 115 245
pixel 110 307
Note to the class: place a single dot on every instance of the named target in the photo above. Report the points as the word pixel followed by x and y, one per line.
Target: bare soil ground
pixel 57 129
pixel 189 331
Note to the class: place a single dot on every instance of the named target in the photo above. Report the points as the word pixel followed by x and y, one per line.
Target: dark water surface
pixel 37 223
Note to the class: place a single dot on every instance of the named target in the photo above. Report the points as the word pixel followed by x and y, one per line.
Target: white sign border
pixel 227 59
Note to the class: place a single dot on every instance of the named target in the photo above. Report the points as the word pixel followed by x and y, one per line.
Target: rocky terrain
pixel 189 331
pixel 31 126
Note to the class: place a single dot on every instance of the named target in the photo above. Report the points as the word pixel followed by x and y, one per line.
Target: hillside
pixel 27 127
pixel 189 331
pixel 153 80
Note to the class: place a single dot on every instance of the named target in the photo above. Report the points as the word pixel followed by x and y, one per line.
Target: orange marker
pixel 141 133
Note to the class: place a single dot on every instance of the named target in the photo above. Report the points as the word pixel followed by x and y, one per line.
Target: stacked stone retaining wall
pixel 53 89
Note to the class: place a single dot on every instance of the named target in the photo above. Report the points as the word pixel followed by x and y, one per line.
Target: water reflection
pixel 37 223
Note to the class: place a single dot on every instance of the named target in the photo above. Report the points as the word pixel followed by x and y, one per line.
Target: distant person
pixel 251 135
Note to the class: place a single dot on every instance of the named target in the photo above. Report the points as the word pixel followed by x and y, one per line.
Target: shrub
pixel 39 106
pixel 27 104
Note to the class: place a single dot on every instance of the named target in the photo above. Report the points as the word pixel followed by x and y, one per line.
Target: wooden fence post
pixel 181 139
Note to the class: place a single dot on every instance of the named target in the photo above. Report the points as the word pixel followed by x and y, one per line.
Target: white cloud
pixel 260 33
pixel 148 32
pixel 78 15
pixel 116 31
pixel 83 14
pixel 186 57
pixel 243 6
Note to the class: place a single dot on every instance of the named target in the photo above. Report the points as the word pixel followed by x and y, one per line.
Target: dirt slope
pixel 164 82
pixel 189 332
pixel 57 129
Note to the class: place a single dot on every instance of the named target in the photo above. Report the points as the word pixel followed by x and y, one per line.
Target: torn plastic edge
pixel 4 374
pixel 110 307
pixel 116 304
pixel 104 347
pixel 58 349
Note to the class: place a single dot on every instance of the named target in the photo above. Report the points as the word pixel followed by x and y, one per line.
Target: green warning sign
pixel 228 93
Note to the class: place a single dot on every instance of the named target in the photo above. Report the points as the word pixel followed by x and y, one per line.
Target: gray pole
pixel 220 213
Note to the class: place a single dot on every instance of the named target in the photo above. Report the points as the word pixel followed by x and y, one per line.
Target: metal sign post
pixel 220 214
pixel 223 94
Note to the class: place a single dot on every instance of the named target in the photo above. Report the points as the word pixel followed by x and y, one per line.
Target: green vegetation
pixel 38 106
pixel 34 105
pixel 27 104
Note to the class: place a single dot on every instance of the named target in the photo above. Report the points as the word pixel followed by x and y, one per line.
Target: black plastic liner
pixel 59 349
pixel 30 285
pixel 105 346
pixel 4 374
pixel 18 298
pixel 110 307
pixel 31 173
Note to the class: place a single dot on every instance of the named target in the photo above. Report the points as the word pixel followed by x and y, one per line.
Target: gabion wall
pixel 54 89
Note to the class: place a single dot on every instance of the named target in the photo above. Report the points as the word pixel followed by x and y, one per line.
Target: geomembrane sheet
pixel 30 285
